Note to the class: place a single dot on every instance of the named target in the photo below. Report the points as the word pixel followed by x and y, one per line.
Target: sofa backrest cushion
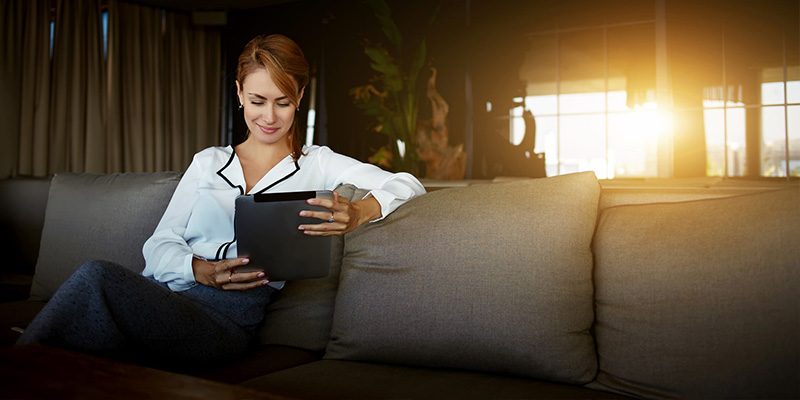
pixel 90 216
pixel 301 315
pixel 492 278
pixel 700 299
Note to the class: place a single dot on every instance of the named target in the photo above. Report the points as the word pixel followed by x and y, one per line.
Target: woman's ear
pixel 300 97
pixel 239 94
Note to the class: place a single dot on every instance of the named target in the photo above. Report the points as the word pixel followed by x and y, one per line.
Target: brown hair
pixel 286 64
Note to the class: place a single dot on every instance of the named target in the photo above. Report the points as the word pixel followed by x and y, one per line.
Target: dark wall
pixel 331 33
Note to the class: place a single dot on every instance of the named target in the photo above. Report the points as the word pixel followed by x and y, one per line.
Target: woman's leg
pixel 106 309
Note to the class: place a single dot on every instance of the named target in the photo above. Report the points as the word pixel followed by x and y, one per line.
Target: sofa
pixel 559 287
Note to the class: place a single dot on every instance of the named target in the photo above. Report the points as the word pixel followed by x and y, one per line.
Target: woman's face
pixel 268 112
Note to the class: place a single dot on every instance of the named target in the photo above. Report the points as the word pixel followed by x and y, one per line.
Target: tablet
pixel 266 233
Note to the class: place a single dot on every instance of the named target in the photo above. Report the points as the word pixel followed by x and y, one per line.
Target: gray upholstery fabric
pixel 492 278
pixel 300 316
pixel 106 217
pixel 700 299
pixel 331 379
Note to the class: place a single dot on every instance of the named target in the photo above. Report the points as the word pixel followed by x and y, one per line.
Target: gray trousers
pixel 108 310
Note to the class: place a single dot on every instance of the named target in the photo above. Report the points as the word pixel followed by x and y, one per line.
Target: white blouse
pixel 199 218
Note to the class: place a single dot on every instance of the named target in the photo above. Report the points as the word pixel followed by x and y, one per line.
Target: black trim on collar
pixel 296 168
pixel 225 178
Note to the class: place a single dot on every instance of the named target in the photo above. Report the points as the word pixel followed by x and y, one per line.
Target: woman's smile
pixel 269 130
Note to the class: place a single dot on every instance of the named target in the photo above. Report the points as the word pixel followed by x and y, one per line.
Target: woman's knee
pixel 99 271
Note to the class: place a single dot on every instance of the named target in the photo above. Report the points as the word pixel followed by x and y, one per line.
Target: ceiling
pixel 194 5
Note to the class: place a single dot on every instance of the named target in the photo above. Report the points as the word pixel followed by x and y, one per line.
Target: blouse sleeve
pixel 168 258
pixel 391 190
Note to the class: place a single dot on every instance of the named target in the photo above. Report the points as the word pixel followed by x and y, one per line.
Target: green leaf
pixel 384 16
pixel 398 126
pixel 383 64
pixel 371 107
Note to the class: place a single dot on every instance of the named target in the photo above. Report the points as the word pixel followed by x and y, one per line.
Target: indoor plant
pixel 392 96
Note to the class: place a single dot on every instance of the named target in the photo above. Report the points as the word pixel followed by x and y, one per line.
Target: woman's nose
pixel 268 115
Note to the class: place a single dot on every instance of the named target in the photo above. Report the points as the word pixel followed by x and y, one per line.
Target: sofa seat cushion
pixel 700 299
pixel 98 216
pixel 331 379
pixel 260 361
pixel 493 278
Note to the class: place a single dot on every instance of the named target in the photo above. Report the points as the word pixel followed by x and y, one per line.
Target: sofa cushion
pixel 300 316
pixel 90 216
pixel 332 379
pixel 491 277
pixel 259 361
pixel 700 299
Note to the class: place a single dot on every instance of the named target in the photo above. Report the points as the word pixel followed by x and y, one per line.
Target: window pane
pixel 793 91
pixel 617 101
pixel 772 93
pixel 583 144
pixel 582 103
pixel 714 126
pixel 542 105
pixel 633 140
pixel 794 140
pixel 547 142
pixel 518 127
pixel 737 143
pixel 773 145
pixel 547 138
pixel 105 33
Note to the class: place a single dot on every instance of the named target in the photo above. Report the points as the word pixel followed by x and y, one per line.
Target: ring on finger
pixel 230 277
pixel 331 220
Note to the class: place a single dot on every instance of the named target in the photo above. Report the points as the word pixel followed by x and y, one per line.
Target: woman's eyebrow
pixel 264 98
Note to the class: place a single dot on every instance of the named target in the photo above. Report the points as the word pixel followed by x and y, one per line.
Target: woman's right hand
pixel 223 275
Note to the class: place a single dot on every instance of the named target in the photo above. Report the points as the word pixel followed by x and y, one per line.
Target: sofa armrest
pixel 24 200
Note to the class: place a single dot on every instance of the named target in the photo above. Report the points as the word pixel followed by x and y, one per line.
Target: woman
pixel 192 306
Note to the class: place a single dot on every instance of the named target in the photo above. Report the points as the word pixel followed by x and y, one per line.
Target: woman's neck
pixel 257 158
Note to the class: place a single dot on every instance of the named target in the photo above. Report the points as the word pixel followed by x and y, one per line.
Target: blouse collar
pixel 233 175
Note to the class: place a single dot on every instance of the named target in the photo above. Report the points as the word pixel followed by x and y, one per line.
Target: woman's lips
pixel 268 130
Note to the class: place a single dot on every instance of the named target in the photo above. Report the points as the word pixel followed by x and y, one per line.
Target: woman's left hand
pixel 341 217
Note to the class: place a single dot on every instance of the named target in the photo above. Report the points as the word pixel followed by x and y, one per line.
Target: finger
pixel 337 203
pixel 231 264
pixel 321 215
pixel 326 229
pixel 245 277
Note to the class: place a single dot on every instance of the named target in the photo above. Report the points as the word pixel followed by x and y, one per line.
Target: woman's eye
pixel 256 103
pixel 284 104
